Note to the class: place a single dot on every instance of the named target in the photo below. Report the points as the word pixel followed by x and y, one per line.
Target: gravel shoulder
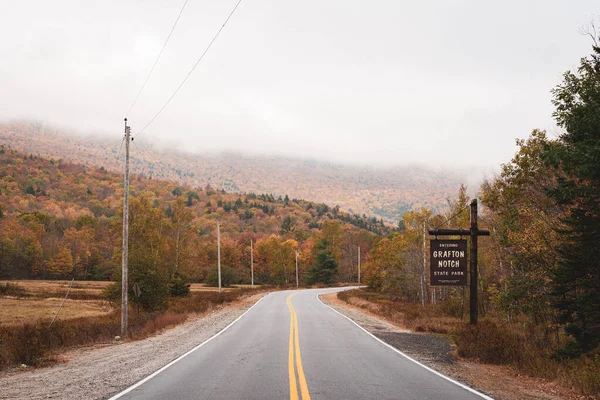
pixel 498 382
pixel 100 371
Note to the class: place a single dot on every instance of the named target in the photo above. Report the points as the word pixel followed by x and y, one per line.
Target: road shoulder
pixel 97 372
pixel 435 351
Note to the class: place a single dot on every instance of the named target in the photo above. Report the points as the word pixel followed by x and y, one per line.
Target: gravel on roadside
pixel 432 350
pixel 100 371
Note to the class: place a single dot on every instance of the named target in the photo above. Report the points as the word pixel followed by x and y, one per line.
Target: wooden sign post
pixel 474 233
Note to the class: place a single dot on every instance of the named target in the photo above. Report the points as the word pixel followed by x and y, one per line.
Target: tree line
pixel 60 220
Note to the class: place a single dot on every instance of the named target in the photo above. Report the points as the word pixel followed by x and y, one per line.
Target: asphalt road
pixel 290 345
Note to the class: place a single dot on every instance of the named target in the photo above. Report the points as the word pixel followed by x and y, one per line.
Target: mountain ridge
pixel 382 192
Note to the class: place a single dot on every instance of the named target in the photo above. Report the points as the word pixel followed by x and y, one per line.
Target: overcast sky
pixel 377 82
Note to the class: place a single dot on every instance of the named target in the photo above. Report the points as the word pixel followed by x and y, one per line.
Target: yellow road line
pixel 294 344
pixel 291 372
pixel 301 377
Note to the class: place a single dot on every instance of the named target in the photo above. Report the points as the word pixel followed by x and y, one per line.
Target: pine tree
pixel 325 266
pixel 576 157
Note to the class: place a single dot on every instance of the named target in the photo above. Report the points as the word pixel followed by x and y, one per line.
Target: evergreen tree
pixel 287 225
pixel 325 266
pixel 576 157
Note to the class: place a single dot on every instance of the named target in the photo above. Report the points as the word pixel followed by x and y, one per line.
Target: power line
pixel 158 58
pixel 145 155
pixel 148 152
pixel 193 68
pixel 454 216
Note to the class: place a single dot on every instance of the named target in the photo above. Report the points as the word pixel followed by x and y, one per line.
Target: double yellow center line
pixel 295 347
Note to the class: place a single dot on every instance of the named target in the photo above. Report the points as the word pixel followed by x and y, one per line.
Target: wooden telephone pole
pixel 125 255
pixel 358 264
pixel 474 232
pixel 251 263
pixel 219 253
pixel 297 281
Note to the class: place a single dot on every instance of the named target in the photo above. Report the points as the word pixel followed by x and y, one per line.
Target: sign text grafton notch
pixel 448 262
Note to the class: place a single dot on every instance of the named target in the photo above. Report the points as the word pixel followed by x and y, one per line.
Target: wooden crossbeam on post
pixel 474 232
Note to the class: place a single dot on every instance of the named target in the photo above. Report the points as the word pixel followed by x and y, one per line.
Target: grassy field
pixel 28 310
pixel 39 288
pixel 37 300
pixel 41 299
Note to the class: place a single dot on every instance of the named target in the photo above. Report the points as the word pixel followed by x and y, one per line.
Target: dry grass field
pixel 41 300
pixel 18 311
pixel 39 288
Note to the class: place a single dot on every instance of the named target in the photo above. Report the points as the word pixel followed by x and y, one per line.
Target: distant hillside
pixel 59 219
pixel 384 193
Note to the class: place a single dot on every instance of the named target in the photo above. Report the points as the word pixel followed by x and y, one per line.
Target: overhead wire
pixel 140 156
pixel 193 68
pixel 147 151
pixel 157 58
pixel 452 217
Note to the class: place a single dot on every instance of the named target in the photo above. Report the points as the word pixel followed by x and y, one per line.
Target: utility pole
pixel 296 268
pixel 423 285
pixel 251 263
pixel 125 255
pixel 358 264
pixel 219 253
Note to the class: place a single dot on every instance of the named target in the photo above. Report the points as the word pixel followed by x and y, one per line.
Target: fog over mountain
pixel 381 83
pixel 383 192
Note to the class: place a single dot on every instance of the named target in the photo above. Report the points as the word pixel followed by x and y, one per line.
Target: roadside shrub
pixel 583 373
pixel 200 302
pixel 228 277
pixel 23 345
pixel 153 297
pixel 112 293
pixel 179 285
pixel 163 321
pixel 31 344
pixel 154 290
pixel 489 343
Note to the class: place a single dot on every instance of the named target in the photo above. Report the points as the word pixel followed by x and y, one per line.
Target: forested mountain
pixel 59 219
pixel 381 192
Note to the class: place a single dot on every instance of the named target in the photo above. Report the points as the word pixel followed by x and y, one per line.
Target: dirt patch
pixel 99 371
pixel 435 351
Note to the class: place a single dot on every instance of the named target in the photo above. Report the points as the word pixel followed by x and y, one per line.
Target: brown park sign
pixel 448 263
